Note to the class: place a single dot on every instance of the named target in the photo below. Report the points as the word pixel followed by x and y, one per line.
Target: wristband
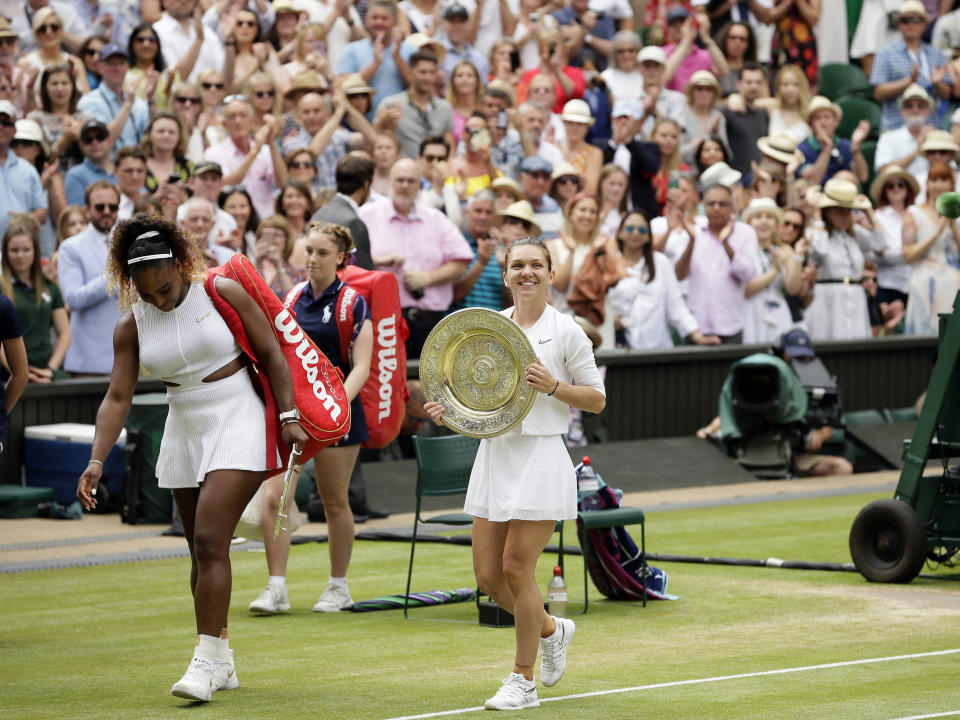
pixel 550 394
pixel 289 421
pixel 98 462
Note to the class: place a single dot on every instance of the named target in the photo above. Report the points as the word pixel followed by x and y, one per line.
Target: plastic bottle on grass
pixel 557 593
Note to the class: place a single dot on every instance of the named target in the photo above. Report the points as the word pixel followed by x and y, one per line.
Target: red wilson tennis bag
pixel 384 396
pixel 317 384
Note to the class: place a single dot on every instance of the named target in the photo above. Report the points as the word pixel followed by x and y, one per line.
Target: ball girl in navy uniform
pixel 523 481
pixel 326 250
pixel 213 454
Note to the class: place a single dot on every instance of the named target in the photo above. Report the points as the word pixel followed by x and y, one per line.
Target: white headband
pixel 144 258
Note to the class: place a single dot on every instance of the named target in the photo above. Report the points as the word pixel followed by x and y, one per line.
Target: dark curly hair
pixel 144 235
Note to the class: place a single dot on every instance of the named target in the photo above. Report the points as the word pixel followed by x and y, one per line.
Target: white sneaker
pixel 224 673
pixel 515 693
pixel 272 600
pixel 554 660
pixel 334 599
pixel 197 682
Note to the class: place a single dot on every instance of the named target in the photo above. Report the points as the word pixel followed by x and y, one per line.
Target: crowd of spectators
pixel 693 179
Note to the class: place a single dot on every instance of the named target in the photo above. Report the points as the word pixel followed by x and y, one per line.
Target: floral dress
pixel 794 44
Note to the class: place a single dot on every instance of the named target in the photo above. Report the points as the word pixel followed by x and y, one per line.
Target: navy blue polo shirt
pixel 10 327
pixel 841 158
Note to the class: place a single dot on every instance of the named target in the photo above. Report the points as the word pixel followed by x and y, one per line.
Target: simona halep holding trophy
pixel 523 481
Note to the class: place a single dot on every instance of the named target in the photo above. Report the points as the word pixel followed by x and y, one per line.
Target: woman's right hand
pixel 435 411
pixel 294 435
pixel 87 487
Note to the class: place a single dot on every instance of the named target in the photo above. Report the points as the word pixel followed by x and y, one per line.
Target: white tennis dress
pixel 219 425
pixel 527 474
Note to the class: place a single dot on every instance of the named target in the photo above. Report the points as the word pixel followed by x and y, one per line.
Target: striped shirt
pixel 486 291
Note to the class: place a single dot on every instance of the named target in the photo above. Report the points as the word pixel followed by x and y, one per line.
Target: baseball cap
pixel 94 126
pixel 456 11
pixel 111 49
pixel 652 53
pixel 8 108
pixel 677 13
pixel 797 343
pixel 624 108
pixel 205 167
pixel 535 163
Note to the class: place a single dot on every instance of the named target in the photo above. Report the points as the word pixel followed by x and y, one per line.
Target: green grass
pixel 107 642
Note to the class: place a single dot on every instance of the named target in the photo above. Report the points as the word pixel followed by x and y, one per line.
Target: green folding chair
pixel 856 109
pixel 837 80
pixel 443 468
pixel 602 519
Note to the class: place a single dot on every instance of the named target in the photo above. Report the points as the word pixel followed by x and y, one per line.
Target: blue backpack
pixel 613 559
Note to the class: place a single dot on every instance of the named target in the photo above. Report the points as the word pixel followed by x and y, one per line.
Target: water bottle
pixel 587 479
pixel 557 593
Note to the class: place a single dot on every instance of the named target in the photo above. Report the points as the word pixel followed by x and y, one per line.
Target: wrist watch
pixel 588 39
pixel 289 416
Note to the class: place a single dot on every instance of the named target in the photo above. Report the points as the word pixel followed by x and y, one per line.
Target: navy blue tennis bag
pixel 614 561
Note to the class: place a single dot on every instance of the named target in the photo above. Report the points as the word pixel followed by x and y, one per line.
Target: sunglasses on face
pixel 566 179
pixel 434 158
pixel 896 185
pixel 146 40
pixel 103 207
pixel 265 93
pixel 7 121
pixel 23 143
pixel 540 175
pixel 87 139
pixel 301 164
pixel 516 221
pixel 913 19
pixel 642 229
pixel 188 100
pixel 794 225
pixel 7 40
pixel 92 52
pixel 246 23
pixel 44 29
pixel 211 85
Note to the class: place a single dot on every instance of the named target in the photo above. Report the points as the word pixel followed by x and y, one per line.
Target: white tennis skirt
pixel 522 477
pixel 212 426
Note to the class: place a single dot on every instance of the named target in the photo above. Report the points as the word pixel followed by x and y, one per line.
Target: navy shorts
pixel 358 426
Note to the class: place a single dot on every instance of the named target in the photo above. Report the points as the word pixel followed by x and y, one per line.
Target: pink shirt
pixel 717 282
pixel 698 59
pixel 259 180
pixel 425 238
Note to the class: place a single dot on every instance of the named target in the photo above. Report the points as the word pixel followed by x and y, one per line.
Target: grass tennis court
pixel 107 642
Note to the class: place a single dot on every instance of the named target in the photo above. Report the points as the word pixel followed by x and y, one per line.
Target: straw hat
pixel 307 81
pixel 915 91
pixel 562 169
pixel 354 84
pixel 522 210
pixel 577 111
pixel 822 103
pixel 914 7
pixel 30 130
pixel 939 140
pixel 780 147
pixel 285 6
pixel 5 30
pixel 719 174
pixel 701 78
pixel 892 172
pixel 763 205
pixel 505 183
pixel 422 41
pixel 843 194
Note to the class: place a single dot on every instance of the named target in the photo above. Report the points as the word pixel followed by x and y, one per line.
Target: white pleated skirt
pixel 212 426
pixel 522 477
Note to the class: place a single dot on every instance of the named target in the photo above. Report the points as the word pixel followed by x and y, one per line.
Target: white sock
pixel 278 581
pixel 339 582
pixel 210 648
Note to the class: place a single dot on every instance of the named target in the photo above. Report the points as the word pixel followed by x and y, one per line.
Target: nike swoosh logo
pixel 204 317
pixel 541 342
pixel 530 691
pixel 229 674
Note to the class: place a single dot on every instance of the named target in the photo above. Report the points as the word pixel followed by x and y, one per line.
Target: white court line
pixel 933 715
pixel 699 681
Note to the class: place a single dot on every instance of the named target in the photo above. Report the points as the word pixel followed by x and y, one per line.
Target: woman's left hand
pixel 539 378
pixel 293 435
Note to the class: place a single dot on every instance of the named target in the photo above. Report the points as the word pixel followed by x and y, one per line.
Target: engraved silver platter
pixel 473 364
